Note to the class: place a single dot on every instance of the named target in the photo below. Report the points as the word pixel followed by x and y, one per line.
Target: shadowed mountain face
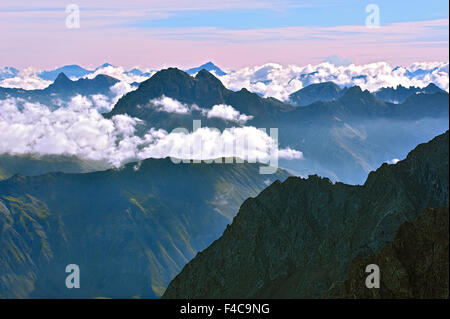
pixel 62 90
pixel 129 230
pixel 297 238
pixel 343 139
pixel 414 265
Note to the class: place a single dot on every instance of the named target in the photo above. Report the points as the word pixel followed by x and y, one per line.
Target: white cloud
pixel 290 154
pixel 226 112
pixel 26 79
pixel 169 105
pixel 205 143
pixel 79 129
pixel 394 161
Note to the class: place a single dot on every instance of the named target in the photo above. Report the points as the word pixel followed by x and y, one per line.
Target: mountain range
pixel 134 228
pixel 301 238
pixel 342 133
pixel 329 91
pixel 343 138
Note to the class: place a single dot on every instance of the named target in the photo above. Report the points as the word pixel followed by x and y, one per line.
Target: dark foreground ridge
pixel 297 239
pixel 415 264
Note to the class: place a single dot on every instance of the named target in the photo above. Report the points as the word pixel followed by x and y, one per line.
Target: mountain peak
pixel 209 66
pixel 324 91
pixel 62 78
pixel 104 65
pixel 205 75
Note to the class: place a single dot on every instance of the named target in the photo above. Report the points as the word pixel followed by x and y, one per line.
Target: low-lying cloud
pixel 169 105
pixel 226 112
pixel 79 129
pixel 220 111
pixel 26 79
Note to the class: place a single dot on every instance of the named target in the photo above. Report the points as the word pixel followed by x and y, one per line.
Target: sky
pixel 232 33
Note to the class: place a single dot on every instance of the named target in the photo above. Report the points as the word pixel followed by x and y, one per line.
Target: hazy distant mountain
pixel 104 65
pixel 8 72
pixel 210 67
pixel 72 71
pixel 138 72
pixel 31 165
pixel 325 91
pixel 69 70
pixel 130 230
pixel 63 89
pixel 297 239
pixel 401 93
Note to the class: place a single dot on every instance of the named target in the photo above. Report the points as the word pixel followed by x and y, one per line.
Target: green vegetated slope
pixel 297 239
pixel 129 230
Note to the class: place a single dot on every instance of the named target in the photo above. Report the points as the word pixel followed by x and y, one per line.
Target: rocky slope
pixel 130 230
pixel 297 238
pixel 414 265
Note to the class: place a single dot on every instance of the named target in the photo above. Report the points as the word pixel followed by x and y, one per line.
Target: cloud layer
pixel 79 129
pixel 280 81
pixel 228 113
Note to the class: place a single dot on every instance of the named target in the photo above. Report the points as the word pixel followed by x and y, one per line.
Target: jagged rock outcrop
pixel 414 265
pixel 297 238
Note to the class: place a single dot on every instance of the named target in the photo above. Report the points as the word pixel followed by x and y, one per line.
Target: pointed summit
pixel 104 65
pixel 209 66
pixel 61 79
